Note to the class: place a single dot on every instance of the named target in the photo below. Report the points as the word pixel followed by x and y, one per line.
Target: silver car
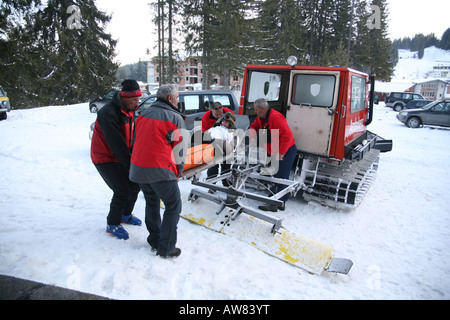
pixel 436 113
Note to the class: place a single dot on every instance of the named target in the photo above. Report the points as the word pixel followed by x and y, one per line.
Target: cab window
pixel 314 90
pixel 358 94
pixel 264 85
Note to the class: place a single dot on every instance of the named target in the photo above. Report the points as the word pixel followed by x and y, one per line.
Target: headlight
pixel 403 113
pixel 292 61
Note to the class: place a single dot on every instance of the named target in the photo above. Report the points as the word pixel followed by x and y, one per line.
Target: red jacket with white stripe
pixel 274 120
pixel 208 119
pixel 112 140
pixel 159 150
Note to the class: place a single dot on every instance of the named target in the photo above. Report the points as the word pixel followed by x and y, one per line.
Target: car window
pixel 407 96
pixel 397 95
pixel 110 94
pixel 146 104
pixel 224 99
pixel 416 97
pixel 191 103
pixel 439 107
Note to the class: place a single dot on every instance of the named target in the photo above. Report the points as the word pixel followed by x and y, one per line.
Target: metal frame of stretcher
pixel 232 196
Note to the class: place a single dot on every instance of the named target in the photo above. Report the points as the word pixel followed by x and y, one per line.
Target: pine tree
pixel 227 26
pixel 380 46
pixel 281 31
pixel 81 55
pixel 16 72
pixel 217 31
pixel 66 55
pixel 445 40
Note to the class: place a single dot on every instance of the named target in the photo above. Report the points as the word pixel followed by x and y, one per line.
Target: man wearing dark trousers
pixel 156 164
pixel 111 148
pixel 271 120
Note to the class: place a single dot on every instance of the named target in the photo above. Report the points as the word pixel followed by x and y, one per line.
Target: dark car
pixel 194 104
pixel 417 104
pixel 398 100
pixel 436 113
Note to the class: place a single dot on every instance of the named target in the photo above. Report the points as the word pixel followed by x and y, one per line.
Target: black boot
pixel 175 253
pixel 271 207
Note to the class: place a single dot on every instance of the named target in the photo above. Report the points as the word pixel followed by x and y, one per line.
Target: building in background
pixel 432 89
pixel 190 75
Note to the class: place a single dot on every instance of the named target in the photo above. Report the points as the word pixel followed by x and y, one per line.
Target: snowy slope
pixel 53 206
pixel 410 67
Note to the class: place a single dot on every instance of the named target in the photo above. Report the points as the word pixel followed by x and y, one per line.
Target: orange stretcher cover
pixel 199 155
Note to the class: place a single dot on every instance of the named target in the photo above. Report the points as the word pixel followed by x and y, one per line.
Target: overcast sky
pixel 132 24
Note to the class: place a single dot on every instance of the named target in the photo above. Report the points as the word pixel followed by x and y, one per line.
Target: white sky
pixel 132 25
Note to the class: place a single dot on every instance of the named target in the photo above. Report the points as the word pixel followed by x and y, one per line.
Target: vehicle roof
pixel 194 92
pixel 200 91
pixel 204 91
pixel 432 103
pixel 287 67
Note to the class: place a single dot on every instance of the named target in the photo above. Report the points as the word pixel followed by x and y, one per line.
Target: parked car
pixel 417 104
pixel 97 103
pixel 5 105
pixel 194 104
pixel 436 113
pixel 398 100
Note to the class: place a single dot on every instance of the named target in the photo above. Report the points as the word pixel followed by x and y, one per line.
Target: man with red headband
pixel 111 146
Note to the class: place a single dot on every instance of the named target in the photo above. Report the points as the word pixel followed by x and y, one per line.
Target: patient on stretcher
pixel 218 143
pixel 222 140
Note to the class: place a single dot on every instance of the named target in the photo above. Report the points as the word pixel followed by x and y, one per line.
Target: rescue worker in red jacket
pixel 210 117
pixel 156 164
pixel 284 151
pixel 111 153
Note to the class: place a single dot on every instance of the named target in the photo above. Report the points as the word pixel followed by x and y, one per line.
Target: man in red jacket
pixel 284 151
pixel 156 164
pixel 210 117
pixel 111 153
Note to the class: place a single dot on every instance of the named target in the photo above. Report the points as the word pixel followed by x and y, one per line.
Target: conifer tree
pixel 281 31
pixel 79 50
pixel 445 40
pixel 16 72
pixel 66 55
pixel 380 46
pixel 218 31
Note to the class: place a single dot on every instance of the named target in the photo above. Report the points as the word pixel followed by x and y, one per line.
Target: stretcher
pixel 234 217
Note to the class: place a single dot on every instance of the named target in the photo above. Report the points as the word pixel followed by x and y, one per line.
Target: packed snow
pixel 54 205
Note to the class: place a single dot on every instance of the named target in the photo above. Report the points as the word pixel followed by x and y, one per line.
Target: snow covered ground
pixel 409 66
pixel 53 205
